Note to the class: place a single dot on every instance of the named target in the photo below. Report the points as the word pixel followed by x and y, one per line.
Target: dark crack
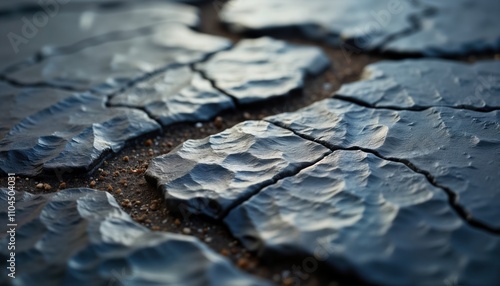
pixel 452 196
pixel 275 180
pixel 213 83
pixel 413 108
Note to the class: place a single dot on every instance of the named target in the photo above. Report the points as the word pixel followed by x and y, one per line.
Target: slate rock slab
pixel 72 134
pixel 367 24
pixel 357 212
pixel 177 95
pixel 454 28
pixel 417 84
pixel 82 237
pixel 212 175
pixel 111 66
pixel 425 27
pixel 263 68
pixel 457 148
pixel 58 29
pixel 17 103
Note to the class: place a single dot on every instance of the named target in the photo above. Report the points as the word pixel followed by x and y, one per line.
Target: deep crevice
pixel 452 196
pixel 413 108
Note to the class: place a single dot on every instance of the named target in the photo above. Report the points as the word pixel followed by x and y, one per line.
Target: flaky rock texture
pixel 212 175
pixel 178 95
pixel 74 133
pixel 111 66
pixel 457 148
pixel 263 68
pixel 418 84
pixel 357 212
pixel 82 237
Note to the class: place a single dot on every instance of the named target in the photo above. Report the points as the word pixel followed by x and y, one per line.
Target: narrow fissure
pixel 413 108
pixel 452 196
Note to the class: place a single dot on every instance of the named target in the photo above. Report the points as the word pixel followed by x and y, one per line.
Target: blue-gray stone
pixel 82 237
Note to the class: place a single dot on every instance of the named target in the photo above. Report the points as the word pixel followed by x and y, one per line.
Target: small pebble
pixel 62 185
pixel 218 122
pixel 39 186
pixel 126 203
pixel 92 184
pixel 186 230
pixel 126 159
pixel 148 143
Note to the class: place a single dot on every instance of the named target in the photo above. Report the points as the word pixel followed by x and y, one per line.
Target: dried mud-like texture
pixel 82 237
pixel 417 84
pixel 357 212
pixel 431 28
pixel 111 66
pixel 17 103
pixel 75 133
pixel 178 95
pixel 263 68
pixel 57 29
pixel 457 148
pixel 453 28
pixel 367 24
pixel 212 175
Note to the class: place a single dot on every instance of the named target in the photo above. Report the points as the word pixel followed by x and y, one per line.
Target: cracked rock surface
pixel 73 134
pixel 358 212
pixel 366 23
pixel 82 237
pixel 111 66
pixel 178 95
pixel 453 28
pixel 408 27
pixel 61 30
pixel 417 84
pixel 263 68
pixel 212 175
pixel 457 148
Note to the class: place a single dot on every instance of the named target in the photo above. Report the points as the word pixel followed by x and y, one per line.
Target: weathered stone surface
pixel 357 212
pixel 75 133
pixel 427 83
pixel 178 95
pixel 82 237
pixel 458 148
pixel 17 103
pixel 59 29
pixel 454 28
pixel 113 65
pixel 433 28
pixel 212 175
pixel 366 23
pixel 263 68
